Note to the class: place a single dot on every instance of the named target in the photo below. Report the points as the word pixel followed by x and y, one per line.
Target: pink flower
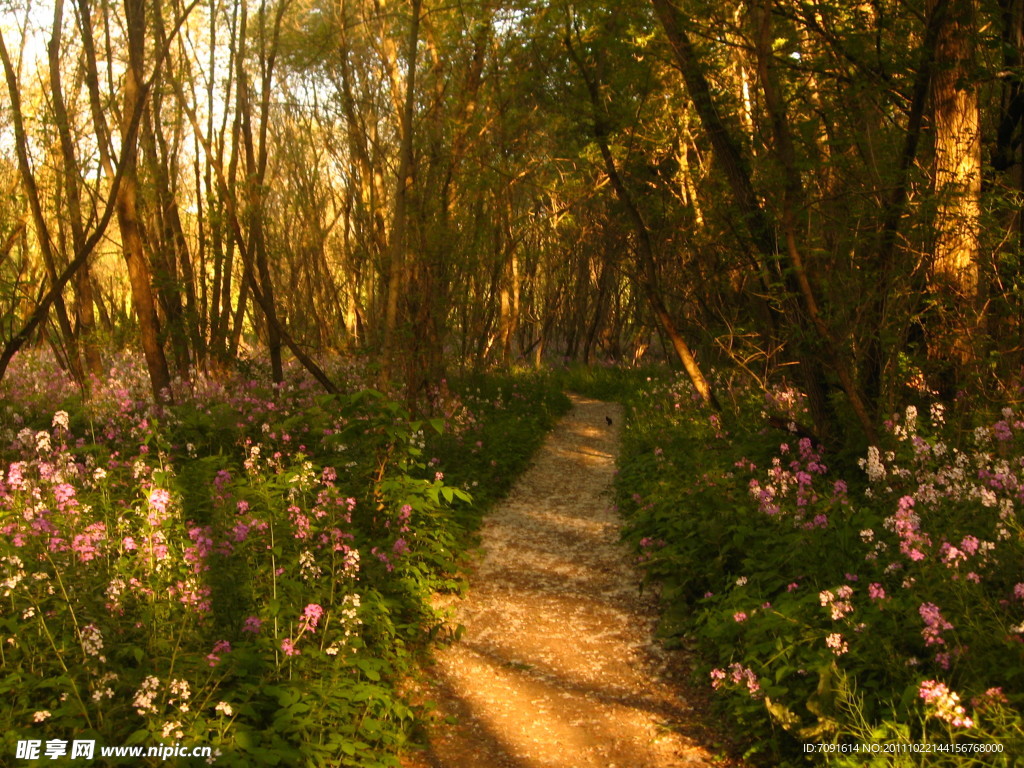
pixel 156 546
pixel 739 617
pixel 876 591
pixel 990 698
pixel 970 545
pixel 934 624
pixel 159 498
pixel 289 647
pixel 311 616
pixel 717 676
pixel 944 704
pixel 221 646
pixel 837 644
pixel 64 493
pixel 252 624
pixel 740 674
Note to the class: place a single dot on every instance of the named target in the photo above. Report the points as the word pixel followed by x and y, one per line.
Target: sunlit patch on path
pixel 558 666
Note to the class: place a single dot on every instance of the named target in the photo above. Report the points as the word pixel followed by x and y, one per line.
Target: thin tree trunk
pixel 730 159
pixel 83 281
pixel 47 300
pixel 397 247
pixel 35 204
pixel 139 275
pixel 645 249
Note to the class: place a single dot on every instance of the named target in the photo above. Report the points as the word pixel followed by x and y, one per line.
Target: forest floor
pixel 558 664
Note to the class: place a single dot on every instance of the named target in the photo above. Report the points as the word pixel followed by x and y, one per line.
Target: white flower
pixel 41 715
pixel 308 567
pixel 102 687
pixel 92 640
pixel 172 728
pixel 224 708
pixel 837 644
pixel 873 465
pixel 143 701
pixel 60 419
pixel 911 419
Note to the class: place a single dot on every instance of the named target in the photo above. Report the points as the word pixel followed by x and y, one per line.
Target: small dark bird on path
pixel 609 420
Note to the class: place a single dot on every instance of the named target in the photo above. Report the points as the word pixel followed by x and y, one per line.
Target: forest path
pixel 558 665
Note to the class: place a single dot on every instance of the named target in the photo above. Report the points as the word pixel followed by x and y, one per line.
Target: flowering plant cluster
pixel 249 568
pixel 840 600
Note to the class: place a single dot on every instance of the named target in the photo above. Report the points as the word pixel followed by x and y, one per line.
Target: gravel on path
pixel 558 665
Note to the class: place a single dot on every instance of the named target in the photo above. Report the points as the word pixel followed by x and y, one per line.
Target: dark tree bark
pixel 645 248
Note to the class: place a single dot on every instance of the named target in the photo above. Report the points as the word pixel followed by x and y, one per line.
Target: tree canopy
pixel 824 191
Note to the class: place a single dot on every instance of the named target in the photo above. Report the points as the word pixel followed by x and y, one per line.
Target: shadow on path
pixel 558 666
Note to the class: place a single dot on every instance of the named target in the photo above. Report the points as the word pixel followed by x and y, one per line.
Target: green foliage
pixel 501 420
pixel 250 570
pixel 840 605
pixel 606 382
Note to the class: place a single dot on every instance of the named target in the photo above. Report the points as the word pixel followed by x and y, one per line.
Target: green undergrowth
pixel 845 612
pixel 607 382
pixel 502 420
pixel 249 570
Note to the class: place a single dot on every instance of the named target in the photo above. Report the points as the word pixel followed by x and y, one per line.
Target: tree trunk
pixel 397 247
pixel 139 275
pixel 35 204
pixel 759 225
pixel 85 316
pixel 645 249
pixel 957 168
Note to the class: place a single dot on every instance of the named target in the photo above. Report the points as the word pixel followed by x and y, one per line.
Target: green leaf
pixel 245 738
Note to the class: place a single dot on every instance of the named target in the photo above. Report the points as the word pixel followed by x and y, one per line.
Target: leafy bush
pixel 249 569
pixel 501 421
pixel 849 605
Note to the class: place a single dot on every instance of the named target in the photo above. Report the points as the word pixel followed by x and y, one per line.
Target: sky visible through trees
pixel 829 190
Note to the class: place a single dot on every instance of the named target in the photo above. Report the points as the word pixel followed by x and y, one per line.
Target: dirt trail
pixel 557 666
